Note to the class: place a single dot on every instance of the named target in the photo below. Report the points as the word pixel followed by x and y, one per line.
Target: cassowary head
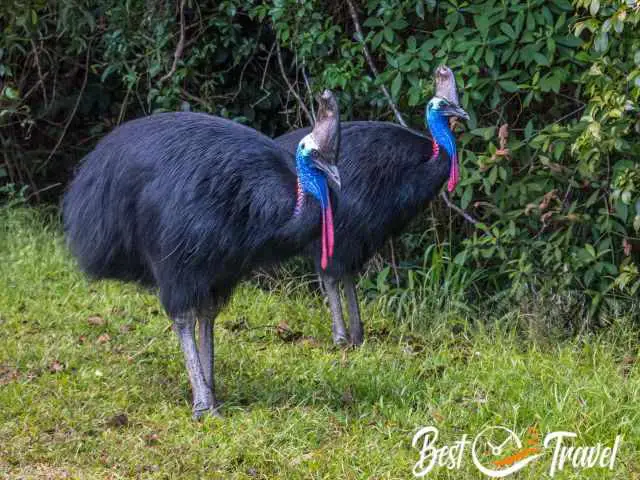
pixel 437 117
pixel 316 157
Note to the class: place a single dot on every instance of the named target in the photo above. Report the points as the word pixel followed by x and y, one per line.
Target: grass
pixel 92 383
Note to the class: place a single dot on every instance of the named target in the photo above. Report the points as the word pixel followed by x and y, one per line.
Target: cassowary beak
pixel 451 110
pixel 331 171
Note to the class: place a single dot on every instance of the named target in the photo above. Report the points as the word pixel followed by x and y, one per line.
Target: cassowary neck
pixel 310 181
pixel 442 134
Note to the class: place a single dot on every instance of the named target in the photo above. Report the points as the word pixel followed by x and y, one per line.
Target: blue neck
pixel 311 179
pixel 439 126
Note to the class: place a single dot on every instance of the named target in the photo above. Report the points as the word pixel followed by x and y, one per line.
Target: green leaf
pixel 541 59
pixel 508 30
pixel 569 41
pixel 395 86
pixel 508 86
pixel 11 93
pixel 528 130
pixel 376 40
pixel 531 22
pixel 486 132
pixel 388 35
pixel 589 248
pixel 594 7
pixel 420 9
pixel 399 24
pixel 489 57
pixel 466 196
pixel 601 42
pixel 482 24
pixel 373 22
pixel 493 175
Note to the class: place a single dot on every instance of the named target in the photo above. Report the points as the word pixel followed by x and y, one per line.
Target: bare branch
pixel 177 55
pixel 73 112
pixel 266 64
pixel 291 89
pixel 457 209
pixel 40 76
pixel 306 82
pixel 372 66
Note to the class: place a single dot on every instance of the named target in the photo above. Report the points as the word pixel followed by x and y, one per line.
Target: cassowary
pixel 190 203
pixel 388 174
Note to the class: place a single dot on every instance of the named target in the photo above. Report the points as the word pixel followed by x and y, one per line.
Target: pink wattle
pixel 323 259
pixel 330 236
pixel 327 234
pixel 454 174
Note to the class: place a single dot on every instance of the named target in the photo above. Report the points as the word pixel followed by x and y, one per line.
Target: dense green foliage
pixel 557 192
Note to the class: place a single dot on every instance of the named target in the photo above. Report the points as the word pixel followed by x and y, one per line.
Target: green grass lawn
pixel 92 382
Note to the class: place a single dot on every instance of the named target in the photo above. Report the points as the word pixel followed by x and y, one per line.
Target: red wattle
pixel 330 236
pixel 323 260
pixel 454 175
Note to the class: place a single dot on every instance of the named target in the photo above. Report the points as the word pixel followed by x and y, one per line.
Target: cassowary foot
pixel 202 411
pixel 357 338
pixel 340 340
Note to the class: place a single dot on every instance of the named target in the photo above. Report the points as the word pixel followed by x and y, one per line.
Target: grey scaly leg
pixel 205 345
pixel 356 332
pixel 337 325
pixel 203 401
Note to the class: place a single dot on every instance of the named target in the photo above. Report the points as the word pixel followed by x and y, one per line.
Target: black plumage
pixel 187 202
pixel 191 203
pixel 388 175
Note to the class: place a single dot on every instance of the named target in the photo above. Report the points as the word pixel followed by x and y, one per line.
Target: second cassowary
pixel 388 173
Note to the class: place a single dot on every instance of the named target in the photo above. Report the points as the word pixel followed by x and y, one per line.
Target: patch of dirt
pixel 8 374
pixel 95 320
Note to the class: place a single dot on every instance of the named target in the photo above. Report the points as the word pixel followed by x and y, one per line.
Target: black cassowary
pixel 191 203
pixel 388 174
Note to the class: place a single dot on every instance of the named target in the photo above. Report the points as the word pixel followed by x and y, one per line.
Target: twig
pixel 291 89
pixel 177 55
pixel 372 66
pixel 306 82
pixel 38 192
pixel 196 99
pixel 73 112
pixel 124 105
pixel 457 209
pixel 244 67
pixel 266 65
pixel 40 76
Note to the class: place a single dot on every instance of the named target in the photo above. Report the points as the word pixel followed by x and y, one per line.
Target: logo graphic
pixel 498 452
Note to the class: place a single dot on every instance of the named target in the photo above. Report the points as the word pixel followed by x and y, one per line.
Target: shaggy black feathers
pixel 187 202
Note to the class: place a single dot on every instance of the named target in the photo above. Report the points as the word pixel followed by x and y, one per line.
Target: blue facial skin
pixel 438 124
pixel 312 180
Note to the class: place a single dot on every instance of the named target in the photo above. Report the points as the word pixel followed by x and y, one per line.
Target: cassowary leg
pixel 205 346
pixel 356 332
pixel 203 402
pixel 337 325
